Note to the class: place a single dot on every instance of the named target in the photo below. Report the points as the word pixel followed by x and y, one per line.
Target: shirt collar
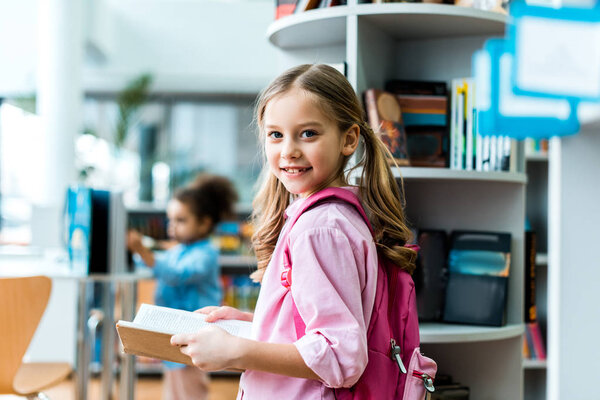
pixel 295 206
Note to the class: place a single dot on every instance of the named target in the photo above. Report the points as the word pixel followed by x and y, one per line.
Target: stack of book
pixel 469 149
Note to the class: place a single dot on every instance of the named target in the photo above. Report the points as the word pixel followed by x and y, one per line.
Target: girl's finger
pixel 217 314
pixel 179 340
pixel 206 310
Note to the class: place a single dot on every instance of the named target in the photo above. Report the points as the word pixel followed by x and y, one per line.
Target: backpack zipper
pixel 427 380
pixel 395 355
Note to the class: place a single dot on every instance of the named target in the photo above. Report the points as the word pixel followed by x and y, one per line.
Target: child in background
pixel 310 123
pixel 188 275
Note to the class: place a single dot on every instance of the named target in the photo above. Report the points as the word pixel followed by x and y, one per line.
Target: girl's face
pixel 184 226
pixel 304 147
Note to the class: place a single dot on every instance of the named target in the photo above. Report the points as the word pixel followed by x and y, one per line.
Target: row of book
pixel 469 149
pixel 420 128
pixel 288 7
pixel 410 117
pixel 536 147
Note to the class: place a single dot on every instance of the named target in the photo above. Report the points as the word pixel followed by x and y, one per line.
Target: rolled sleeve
pixel 327 287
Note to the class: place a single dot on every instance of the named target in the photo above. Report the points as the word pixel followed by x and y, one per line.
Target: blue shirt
pixel 188 276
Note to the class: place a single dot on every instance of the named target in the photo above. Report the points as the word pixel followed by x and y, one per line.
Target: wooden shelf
pixel 451 333
pixel 442 174
pixel 400 21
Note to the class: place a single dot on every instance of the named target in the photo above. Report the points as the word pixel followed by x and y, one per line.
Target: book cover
pixel 537 340
pixel 530 346
pixel 427 146
pixel 385 118
pixel 480 253
pixel 149 334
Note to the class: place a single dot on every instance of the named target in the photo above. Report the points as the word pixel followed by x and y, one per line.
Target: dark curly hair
pixel 210 196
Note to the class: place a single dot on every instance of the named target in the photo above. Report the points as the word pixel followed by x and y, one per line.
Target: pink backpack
pixel 396 369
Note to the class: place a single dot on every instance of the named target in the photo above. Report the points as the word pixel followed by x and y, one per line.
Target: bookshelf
pixel 573 273
pixel 537 164
pixel 422 41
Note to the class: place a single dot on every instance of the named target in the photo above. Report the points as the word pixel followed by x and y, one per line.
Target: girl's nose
pixel 290 150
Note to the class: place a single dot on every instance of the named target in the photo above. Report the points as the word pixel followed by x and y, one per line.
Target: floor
pixel 147 388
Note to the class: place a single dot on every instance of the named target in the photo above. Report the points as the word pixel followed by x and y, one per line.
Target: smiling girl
pixel 311 122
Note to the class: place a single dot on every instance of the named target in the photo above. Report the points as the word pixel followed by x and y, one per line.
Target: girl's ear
pixel 351 138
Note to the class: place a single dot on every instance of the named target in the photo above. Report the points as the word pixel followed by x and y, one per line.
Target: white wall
pixel 189 46
pixel 18 49
pixel 207 46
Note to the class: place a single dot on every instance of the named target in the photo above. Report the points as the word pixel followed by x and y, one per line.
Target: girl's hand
pixel 214 313
pixel 211 348
pixel 134 241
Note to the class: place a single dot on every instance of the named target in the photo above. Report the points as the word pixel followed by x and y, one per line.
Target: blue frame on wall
pixel 556 51
pixel 502 112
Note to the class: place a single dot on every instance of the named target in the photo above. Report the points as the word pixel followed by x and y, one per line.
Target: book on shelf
pixel 305 5
pixel 385 118
pixel 424 106
pixel 533 347
pixel 284 8
pixel 431 274
pixel 530 277
pixel 149 334
pixel 469 149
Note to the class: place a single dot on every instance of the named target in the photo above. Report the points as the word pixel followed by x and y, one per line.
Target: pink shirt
pixel 334 276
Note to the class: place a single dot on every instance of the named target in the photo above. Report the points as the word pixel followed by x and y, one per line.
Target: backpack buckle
pixel 286 278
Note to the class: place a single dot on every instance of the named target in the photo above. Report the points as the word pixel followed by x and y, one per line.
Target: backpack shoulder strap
pixel 319 197
pixel 332 193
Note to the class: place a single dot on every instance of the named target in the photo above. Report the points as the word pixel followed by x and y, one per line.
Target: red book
pixel 284 7
pixel 538 342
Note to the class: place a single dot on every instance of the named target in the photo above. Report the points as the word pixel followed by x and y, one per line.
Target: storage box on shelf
pixel 433 42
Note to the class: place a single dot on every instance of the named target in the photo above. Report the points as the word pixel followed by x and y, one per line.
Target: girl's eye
pixel 275 135
pixel 309 134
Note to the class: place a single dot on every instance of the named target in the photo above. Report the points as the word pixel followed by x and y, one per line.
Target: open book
pixel 150 332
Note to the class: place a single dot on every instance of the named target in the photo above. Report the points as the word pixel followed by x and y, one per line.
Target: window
pixel 20 160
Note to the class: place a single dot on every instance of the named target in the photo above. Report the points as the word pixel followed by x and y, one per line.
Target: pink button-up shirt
pixel 334 276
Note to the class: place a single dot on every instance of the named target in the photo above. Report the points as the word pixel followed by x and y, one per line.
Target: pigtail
pixel 383 197
pixel 268 218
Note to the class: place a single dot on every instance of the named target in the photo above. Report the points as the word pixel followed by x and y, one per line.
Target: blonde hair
pixel 379 193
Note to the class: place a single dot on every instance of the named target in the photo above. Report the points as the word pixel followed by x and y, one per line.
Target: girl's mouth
pixel 295 171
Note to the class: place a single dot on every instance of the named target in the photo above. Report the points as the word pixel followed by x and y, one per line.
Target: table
pixel 123 283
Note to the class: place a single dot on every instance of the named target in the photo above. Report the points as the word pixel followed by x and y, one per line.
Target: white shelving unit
pixel 534 371
pixel 421 41
pixel 573 261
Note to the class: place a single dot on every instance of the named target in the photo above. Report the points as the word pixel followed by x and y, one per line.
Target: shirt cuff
pixel 319 357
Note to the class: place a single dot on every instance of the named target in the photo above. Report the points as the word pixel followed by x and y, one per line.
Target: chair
pixel 22 304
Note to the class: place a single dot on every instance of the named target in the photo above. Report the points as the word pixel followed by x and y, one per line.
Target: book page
pixel 173 321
